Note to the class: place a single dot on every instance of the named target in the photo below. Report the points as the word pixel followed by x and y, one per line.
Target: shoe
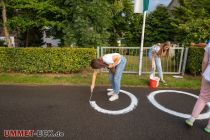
pixel 163 82
pixel 114 97
pixel 110 93
pixel 189 122
pixel 207 128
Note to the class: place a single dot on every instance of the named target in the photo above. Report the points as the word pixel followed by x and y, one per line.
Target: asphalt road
pixel 67 112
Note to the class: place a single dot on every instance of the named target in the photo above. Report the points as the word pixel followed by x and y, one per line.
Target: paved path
pixel 66 109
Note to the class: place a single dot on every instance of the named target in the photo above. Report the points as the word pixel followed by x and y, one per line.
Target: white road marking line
pixel 132 106
pixel 178 114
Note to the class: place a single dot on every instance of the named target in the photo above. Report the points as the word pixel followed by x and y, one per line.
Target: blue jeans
pixel 116 78
pixel 157 64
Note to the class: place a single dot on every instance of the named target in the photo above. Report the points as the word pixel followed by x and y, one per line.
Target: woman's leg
pixel 111 79
pixel 159 67
pixel 203 99
pixel 118 74
pixel 152 64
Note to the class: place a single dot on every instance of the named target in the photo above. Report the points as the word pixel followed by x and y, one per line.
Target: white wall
pixel 50 40
pixel 12 38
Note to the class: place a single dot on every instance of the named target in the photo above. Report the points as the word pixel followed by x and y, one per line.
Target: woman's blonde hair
pixel 162 52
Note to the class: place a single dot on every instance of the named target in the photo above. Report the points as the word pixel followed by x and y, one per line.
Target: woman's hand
pixel 93 80
pixel 192 44
pixel 111 66
pixel 153 63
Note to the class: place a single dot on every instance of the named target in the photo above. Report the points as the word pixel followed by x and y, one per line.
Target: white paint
pixel 131 107
pixel 182 115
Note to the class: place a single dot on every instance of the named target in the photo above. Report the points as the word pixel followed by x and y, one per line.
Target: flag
pixel 140 6
pixel 146 5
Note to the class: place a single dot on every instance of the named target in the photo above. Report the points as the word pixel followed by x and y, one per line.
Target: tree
pixel 87 23
pixel 4 19
pixel 158 26
pixel 123 22
pixel 34 14
pixel 133 34
pixel 192 21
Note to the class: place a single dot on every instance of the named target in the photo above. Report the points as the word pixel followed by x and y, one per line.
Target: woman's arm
pixel 93 80
pixel 199 44
pixel 205 61
pixel 116 59
pixel 153 61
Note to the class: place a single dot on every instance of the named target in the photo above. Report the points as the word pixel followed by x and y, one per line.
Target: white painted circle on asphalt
pixel 178 114
pixel 129 108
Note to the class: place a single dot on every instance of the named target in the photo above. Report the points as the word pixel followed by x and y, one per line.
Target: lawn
pixel 84 78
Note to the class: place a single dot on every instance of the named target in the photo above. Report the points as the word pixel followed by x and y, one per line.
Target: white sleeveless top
pixel 155 48
pixel 207 49
pixel 206 73
pixel 107 58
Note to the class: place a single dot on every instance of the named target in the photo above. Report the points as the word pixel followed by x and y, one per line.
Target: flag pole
pixel 142 44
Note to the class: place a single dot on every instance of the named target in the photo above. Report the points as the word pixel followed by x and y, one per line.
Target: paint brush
pixel 91 94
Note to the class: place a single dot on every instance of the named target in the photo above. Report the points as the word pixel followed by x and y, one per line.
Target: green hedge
pixel 45 60
pixel 68 60
pixel 194 60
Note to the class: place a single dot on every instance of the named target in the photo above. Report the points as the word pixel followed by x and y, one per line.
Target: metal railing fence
pixel 174 64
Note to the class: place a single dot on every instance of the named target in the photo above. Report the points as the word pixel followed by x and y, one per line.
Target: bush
pixel 2 43
pixel 194 60
pixel 45 60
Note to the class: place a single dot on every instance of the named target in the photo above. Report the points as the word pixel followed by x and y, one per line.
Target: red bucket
pixel 154 82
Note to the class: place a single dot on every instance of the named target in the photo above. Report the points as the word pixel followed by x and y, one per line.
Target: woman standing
pixel 116 64
pixel 155 53
pixel 204 96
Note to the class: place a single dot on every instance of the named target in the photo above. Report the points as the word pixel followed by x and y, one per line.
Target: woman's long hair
pixel 162 52
pixel 98 64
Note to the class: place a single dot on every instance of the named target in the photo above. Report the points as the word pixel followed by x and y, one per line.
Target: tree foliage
pixel 4 23
pixel 122 20
pixel 159 27
pixel 192 21
pixel 25 16
pixel 103 22
pixel 87 22
pixel 35 13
